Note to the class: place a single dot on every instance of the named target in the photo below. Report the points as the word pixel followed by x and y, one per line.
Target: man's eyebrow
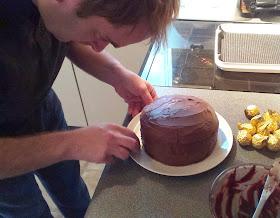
pixel 113 43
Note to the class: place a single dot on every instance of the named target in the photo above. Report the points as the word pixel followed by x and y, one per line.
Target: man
pixel 35 36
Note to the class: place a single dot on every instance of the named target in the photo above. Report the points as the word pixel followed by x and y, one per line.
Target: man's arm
pixel 136 91
pixel 22 155
pixel 99 144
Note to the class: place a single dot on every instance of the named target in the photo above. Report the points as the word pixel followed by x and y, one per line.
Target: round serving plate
pixel 220 152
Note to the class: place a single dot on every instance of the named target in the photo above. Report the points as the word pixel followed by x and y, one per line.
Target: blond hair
pixel 158 14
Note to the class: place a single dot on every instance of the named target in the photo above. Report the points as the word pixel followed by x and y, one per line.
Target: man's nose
pixel 99 46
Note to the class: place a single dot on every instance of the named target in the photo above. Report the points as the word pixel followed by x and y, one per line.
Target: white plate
pixel 220 152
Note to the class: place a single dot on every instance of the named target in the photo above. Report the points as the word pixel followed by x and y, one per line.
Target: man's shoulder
pixel 15 8
pixel 3 4
pixel 17 13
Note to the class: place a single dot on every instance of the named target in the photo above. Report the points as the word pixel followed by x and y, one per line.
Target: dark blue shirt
pixel 30 59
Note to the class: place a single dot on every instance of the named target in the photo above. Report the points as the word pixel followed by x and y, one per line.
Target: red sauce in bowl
pixel 236 192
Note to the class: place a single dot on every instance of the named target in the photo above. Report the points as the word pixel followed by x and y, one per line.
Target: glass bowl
pixel 236 192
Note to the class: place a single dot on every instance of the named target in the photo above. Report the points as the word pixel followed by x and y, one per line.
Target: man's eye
pixel 104 39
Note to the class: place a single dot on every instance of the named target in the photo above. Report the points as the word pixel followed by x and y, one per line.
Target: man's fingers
pixel 146 96
pixel 134 108
pixel 137 109
pixel 123 143
pixel 124 146
pixel 127 132
pixel 122 153
pixel 149 94
pixel 132 144
pixel 130 108
pixel 153 93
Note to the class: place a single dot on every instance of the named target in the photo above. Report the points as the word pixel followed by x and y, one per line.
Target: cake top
pixel 181 110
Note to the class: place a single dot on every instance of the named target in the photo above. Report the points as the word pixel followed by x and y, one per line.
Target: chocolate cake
pixel 178 130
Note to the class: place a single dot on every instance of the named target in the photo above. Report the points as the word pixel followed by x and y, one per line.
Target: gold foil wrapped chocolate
pixel 251 111
pixel 259 141
pixel 266 116
pixel 243 137
pixel 255 120
pixel 271 115
pixel 262 131
pixel 275 116
pixel 262 128
pixel 272 126
pixel 273 143
pixel 277 133
pixel 248 127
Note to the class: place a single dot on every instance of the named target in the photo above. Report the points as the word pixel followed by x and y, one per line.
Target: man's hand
pixel 104 143
pixel 136 91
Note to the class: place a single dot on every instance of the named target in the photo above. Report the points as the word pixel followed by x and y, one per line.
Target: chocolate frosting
pixel 178 129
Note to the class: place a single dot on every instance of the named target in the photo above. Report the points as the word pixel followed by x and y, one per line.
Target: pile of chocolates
pixel 261 131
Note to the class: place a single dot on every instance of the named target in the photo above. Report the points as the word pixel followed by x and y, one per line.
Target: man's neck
pixel 34 2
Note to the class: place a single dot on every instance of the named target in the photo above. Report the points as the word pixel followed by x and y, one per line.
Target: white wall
pixel 102 104
pixel 67 91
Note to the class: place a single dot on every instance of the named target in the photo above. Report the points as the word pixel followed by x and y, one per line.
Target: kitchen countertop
pixel 126 189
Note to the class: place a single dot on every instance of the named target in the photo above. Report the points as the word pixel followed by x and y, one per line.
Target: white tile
pixel 83 166
pixel 91 178
pixel 56 213
pixel 48 199
pixel 93 166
